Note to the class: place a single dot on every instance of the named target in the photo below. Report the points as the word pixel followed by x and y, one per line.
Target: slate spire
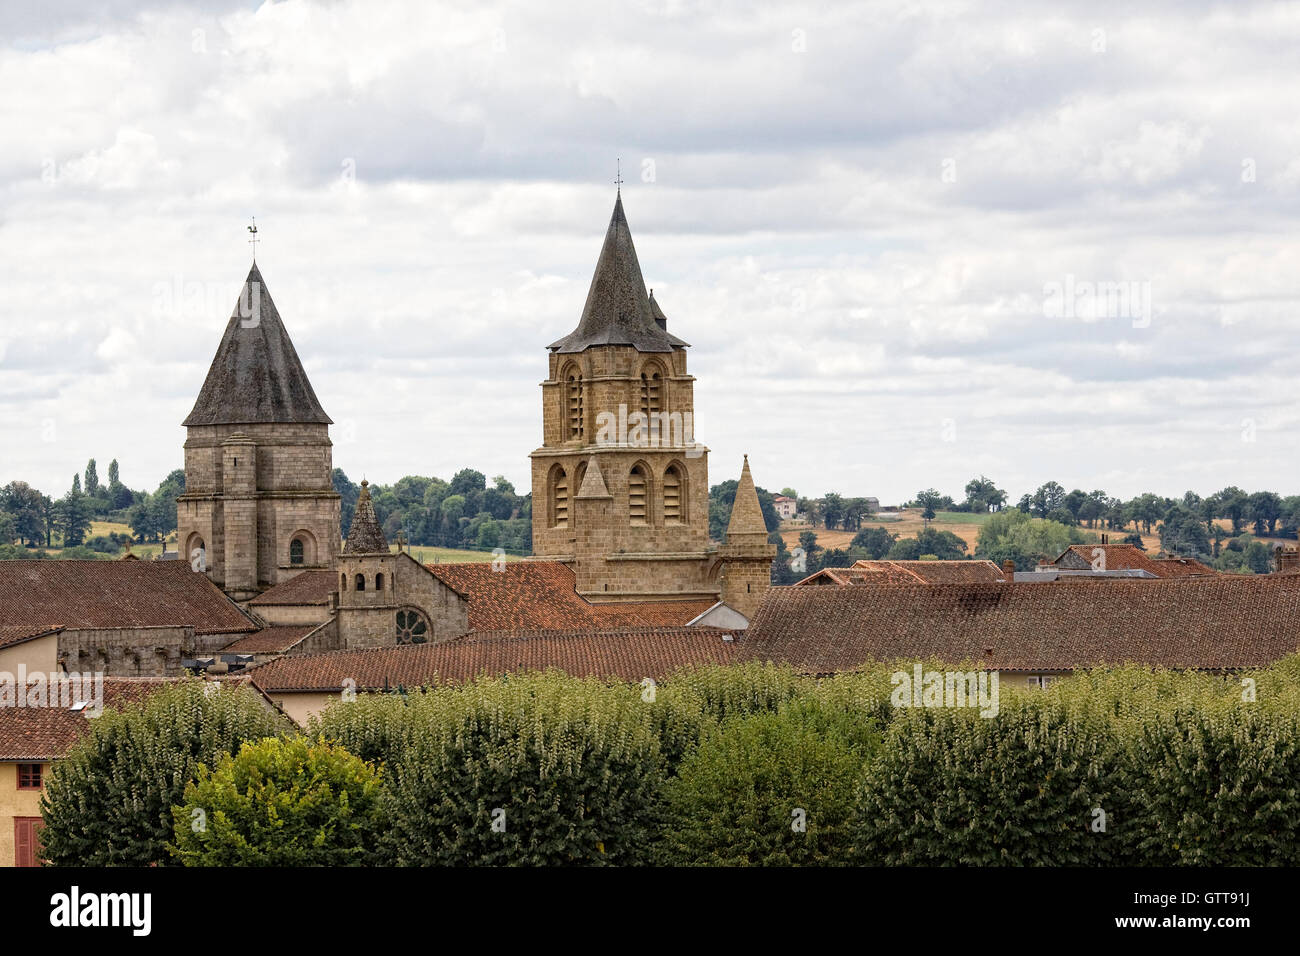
pixel 256 376
pixel 365 536
pixel 617 311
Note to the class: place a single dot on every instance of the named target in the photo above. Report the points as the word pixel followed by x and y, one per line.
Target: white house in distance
pixel 785 506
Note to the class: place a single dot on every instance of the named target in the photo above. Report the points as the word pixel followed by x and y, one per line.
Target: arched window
pixel 576 417
pixel 674 510
pixel 196 553
pixel 361 582
pixel 637 488
pixel 296 551
pixel 379 582
pixel 559 497
pixel 343 582
pixel 412 627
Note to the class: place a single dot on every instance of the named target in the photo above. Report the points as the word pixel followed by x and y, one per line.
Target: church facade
pixel 620 485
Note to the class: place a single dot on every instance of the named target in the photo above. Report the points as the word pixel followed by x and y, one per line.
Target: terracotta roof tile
pixel 1116 557
pixel 104 594
pixel 305 588
pixel 17 633
pixel 46 733
pixel 271 640
pixel 630 654
pixel 1183 568
pixel 1220 622
pixel 908 572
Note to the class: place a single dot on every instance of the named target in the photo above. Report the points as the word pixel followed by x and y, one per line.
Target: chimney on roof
pixel 1009 569
pixel 1105 539
pixel 1288 559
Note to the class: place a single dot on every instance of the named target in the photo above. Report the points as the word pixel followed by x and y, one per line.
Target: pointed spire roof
pixel 617 310
pixel 746 513
pixel 593 482
pixel 365 536
pixel 256 375
pixel 661 320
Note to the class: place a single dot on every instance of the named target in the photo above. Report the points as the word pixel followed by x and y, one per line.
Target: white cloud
pixel 855 237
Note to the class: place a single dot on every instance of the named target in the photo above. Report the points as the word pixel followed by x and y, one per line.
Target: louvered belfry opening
pixel 672 496
pixel 575 406
pixel 651 383
pixel 560 499
pixel 636 496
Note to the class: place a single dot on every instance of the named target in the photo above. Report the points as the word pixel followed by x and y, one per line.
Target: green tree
pixel 1012 535
pixel 832 510
pixel 109 801
pixel 769 789
pixel 982 495
pixel 27 506
pixel 73 518
pixel 92 479
pixel 876 542
pixel 529 770
pixel 280 802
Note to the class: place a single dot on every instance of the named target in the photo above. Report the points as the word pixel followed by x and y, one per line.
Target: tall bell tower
pixel 620 484
pixel 259 505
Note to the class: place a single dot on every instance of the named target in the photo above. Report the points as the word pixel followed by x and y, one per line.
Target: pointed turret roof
pixel 365 536
pixel 746 513
pixel 256 375
pixel 618 310
pixel 661 320
pixel 593 482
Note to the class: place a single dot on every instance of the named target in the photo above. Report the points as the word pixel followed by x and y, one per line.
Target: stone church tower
pixel 259 505
pixel 620 485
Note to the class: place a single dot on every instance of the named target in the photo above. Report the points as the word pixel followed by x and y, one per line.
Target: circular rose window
pixel 412 628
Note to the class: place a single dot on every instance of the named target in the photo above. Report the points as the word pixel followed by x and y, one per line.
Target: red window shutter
pixel 27 844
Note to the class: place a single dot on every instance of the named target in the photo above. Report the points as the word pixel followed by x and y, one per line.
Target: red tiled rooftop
pixel 1211 623
pixel 46 733
pixel 630 654
pixel 270 640
pixel 109 594
pixel 304 588
pixel 1111 557
pixel 908 572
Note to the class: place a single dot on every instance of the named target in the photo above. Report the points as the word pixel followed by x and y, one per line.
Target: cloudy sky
pixel 909 242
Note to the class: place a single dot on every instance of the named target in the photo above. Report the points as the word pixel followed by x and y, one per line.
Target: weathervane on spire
pixel 253 242
pixel 618 175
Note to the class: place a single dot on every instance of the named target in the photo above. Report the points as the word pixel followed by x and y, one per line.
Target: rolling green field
pixel 423 554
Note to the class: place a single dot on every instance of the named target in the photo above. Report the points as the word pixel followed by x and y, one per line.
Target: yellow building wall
pixel 15 803
pixel 41 655
pixel 301 707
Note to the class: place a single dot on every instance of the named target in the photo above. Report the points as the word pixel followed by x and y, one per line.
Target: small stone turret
pixel 747 556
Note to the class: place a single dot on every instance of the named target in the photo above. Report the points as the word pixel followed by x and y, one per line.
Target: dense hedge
pixel 545 770
pixel 953 788
pixel 1125 766
pixel 109 802
pixel 768 789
